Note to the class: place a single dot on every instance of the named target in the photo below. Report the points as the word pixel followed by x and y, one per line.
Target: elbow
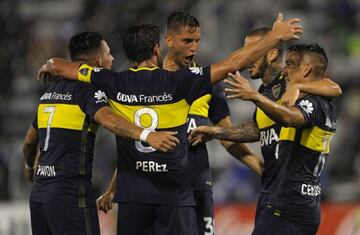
pixel 338 90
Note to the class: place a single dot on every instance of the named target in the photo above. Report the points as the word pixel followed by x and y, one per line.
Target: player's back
pixel 157 100
pixel 66 138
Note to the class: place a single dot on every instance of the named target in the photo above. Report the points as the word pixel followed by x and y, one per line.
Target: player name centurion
pixel 131 98
pixel 56 96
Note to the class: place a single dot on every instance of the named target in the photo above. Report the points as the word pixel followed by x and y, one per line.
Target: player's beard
pixel 261 68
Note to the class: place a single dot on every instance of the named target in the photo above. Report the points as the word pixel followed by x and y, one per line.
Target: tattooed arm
pixel 244 133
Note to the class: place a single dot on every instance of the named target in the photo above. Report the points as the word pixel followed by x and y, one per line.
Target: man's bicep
pixel 31 136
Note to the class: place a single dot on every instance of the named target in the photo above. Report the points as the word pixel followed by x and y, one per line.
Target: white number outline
pixel 322 158
pixel 209 225
pixel 51 110
pixel 154 124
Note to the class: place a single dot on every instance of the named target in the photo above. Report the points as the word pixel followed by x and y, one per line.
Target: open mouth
pixel 189 58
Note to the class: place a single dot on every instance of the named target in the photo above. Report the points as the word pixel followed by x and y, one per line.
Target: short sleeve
pixel 91 99
pixel 219 108
pixel 99 77
pixel 194 82
pixel 308 106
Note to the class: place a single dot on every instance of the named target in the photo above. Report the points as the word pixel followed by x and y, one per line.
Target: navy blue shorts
pixel 149 219
pixel 261 205
pixel 204 212
pixel 60 220
pixel 268 223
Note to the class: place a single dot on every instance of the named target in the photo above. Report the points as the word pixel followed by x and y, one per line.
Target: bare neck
pixel 170 64
pixel 152 62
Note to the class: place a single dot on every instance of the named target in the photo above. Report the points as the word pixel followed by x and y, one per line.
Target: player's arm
pixel 323 87
pixel 60 67
pixel 245 56
pixel 243 133
pixel 104 202
pixel 162 140
pixel 30 148
pixel 240 151
pixel 287 116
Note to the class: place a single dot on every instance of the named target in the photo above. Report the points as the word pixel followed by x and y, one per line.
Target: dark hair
pixel 316 52
pixel 179 19
pixel 83 44
pixel 139 41
pixel 259 32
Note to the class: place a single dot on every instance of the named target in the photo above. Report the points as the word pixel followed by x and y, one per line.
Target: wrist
pixel 144 135
pixel 29 168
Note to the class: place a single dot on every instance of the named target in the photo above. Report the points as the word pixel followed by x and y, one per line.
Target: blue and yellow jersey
pixel 269 133
pixel 305 151
pixel 211 107
pixel 155 99
pixel 66 132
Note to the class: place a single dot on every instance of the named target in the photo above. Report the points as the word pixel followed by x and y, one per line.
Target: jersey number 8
pixel 154 124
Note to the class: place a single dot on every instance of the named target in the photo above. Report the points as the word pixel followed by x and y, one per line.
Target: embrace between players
pixel 162 182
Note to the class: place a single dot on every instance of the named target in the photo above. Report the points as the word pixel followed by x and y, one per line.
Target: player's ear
pixel 307 70
pixel 98 61
pixel 157 50
pixel 272 55
pixel 169 40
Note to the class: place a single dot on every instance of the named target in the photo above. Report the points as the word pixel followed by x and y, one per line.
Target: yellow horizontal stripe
pixel 66 116
pixel 167 115
pixel 316 139
pixel 262 119
pixel 287 133
pixel 84 73
pixel 143 68
pixel 200 106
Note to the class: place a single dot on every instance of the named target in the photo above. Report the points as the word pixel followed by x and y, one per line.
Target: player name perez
pixel 151 166
pixel 131 98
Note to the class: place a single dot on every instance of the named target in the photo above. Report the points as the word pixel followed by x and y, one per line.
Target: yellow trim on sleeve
pixel 200 106
pixel 84 73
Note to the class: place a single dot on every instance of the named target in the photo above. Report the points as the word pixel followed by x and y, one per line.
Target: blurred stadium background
pixel 34 30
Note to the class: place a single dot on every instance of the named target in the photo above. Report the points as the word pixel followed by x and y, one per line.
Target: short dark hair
pixel 316 52
pixel 139 41
pixel 83 44
pixel 179 19
pixel 259 32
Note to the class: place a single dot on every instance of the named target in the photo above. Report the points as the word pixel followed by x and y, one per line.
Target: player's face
pixel 185 45
pixel 105 56
pixel 257 69
pixel 293 68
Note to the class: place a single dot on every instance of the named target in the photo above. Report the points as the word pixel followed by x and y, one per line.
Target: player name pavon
pixel 132 98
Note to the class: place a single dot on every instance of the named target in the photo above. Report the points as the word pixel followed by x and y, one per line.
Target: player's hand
pixel 239 87
pixel 42 72
pixel 287 30
pixel 202 134
pixel 104 202
pixel 163 141
pixel 291 95
pixel 29 174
